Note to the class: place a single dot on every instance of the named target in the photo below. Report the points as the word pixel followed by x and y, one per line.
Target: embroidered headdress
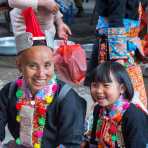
pixel 33 35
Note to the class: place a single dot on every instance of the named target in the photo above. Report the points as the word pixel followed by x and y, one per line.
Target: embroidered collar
pixel 119 107
pixel 32 111
pixel 108 130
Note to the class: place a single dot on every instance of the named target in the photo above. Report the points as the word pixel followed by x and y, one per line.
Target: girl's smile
pixel 106 93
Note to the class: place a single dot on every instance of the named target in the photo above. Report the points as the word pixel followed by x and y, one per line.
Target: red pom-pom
pixel 113 129
pixel 54 88
pixel 125 106
pixel 42 111
pixel 19 82
pixel 18 106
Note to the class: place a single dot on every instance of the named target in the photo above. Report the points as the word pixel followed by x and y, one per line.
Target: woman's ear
pixel 122 89
pixel 18 64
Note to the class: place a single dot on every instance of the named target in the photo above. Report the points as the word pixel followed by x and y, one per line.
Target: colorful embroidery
pixel 32 112
pixel 137 79
pixel 122 40
pixel 108 131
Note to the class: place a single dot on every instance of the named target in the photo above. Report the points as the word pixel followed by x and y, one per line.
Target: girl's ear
pixel 122 89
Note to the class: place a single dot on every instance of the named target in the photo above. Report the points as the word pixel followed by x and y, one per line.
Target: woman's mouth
pixel 40 82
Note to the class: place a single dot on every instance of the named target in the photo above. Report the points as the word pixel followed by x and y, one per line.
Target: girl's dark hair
pixel 102 74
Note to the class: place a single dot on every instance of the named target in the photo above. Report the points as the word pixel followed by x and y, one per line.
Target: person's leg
pixel 79 6
pixel 78 3
pixel 92 63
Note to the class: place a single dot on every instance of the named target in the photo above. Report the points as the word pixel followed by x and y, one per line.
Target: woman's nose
pixel 42 72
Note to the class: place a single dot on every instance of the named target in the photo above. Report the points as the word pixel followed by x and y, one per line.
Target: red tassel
pixel 32 23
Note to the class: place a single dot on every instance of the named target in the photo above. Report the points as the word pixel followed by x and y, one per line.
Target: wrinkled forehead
pixel 36 53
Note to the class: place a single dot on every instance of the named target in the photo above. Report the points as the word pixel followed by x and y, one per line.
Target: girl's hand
pixel 64 31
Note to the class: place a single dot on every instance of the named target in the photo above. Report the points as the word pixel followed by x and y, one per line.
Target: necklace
pixel 108 131
pixel 32 112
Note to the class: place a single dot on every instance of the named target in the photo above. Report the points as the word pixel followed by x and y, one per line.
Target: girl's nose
pixel 99 89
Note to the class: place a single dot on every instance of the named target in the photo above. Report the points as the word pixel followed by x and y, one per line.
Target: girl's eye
pixel 94 84
pixel 107 85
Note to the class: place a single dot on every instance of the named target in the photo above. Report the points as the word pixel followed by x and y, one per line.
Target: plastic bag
pixel 70 63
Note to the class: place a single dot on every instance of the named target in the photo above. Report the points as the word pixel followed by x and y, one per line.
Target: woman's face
pixel 37 67
pixel 106 93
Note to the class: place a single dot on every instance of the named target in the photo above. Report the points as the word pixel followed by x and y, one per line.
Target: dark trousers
pixel 100 53
pixel 78 4
pixel 92 63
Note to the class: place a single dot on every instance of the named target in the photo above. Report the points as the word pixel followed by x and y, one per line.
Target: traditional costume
pixel 44 120
pixel 117 127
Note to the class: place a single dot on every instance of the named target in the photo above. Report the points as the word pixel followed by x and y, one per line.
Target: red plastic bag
pixel 70 63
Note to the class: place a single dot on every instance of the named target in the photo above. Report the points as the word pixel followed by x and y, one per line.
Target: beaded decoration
pixel 32 112
pixel 108 131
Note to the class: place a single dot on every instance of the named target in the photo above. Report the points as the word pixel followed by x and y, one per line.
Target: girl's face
pixel 37 67
pixel 107 93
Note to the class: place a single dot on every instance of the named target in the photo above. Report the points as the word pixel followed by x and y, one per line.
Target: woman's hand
pixel 63 31
pixel 84 144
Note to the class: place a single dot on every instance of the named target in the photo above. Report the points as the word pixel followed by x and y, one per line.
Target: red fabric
pixel 32 23
pixel 136 76
pixel 143 24
pixel 70 63
pixel 143 18
pixel 145 45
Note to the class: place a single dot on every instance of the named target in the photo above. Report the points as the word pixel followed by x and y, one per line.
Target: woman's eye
pixel 47 65
pixel 33 66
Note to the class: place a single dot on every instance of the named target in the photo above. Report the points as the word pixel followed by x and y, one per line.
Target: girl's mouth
pixel 100 99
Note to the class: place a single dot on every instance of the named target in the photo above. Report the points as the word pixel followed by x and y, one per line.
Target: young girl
pixel 117 121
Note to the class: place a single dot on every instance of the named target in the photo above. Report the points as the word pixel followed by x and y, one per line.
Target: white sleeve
pixel 17 21
pixel 21 4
